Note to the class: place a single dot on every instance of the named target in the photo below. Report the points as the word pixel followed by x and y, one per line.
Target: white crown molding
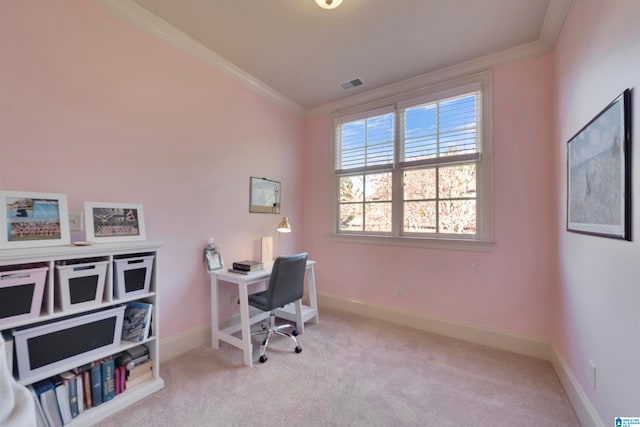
pixel 144 19
pixel 550 30
pixel 423 80
pixel 553 21
pixel 150 22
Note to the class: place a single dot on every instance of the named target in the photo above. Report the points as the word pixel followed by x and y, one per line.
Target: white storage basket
pixel 80 285
pixel 132 275
pixel 21 294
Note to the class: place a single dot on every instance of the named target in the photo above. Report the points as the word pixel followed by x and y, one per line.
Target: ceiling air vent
pixel 350 84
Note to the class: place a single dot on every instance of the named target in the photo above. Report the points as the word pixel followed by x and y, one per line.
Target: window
pixel 418 168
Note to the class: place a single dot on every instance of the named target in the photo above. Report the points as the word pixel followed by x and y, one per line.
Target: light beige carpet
pixel 355 371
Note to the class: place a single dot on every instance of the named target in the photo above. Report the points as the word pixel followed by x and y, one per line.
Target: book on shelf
pixel 248 265
pixel 233 270
pixel 96 383
pixel 116 381
pixel 122 378
pixel 119 379
pixel 137 321
pixel 41 420
pixel 71 383
pixel 83 375
pixel 108 379
pixel 63 399
pixel 46 392
pixel 80 392
pixel 86 389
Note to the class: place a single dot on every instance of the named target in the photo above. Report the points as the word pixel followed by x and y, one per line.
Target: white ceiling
pixel 299 53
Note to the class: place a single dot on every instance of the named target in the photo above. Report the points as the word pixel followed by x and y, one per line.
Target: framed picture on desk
pixel 212 257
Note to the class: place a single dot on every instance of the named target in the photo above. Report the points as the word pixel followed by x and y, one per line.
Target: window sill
pixel 416 242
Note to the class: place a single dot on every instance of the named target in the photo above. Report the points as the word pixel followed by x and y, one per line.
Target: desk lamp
pixel 283 227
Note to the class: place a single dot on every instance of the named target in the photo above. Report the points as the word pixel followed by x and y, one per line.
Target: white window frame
pixel 483 239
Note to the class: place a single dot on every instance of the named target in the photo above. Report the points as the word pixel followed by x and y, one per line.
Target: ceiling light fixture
pixel 329 4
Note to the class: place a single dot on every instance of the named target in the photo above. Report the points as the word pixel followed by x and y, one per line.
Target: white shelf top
pixel 8 256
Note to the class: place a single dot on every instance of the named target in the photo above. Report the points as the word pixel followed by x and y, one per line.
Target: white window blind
pixel 442 131
pixel 365 143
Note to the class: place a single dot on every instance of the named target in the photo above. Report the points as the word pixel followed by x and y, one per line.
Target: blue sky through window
pixel 367 142
pixel 440 128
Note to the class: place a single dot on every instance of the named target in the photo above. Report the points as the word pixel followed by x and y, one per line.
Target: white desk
pixel 295 312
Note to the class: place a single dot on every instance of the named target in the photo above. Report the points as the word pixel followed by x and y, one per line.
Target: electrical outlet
pixel 592 374
pixel 232 299
pixel 400 293
pixel 75 221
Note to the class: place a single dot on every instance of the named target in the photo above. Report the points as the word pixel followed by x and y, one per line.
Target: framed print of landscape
pixel 599 173
pixel 30 220
pixel 114 222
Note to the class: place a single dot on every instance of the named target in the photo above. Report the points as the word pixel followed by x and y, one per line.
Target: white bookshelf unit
pixel 55 307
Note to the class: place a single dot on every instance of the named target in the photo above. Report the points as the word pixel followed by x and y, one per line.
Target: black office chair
pixel 286 285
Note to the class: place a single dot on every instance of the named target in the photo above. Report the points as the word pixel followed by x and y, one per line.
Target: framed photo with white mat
pixel 114 222
pixel 29 219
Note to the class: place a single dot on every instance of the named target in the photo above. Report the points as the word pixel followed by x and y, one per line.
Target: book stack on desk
pixel 247 267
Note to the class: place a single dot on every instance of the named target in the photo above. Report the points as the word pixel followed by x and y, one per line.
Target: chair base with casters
pixel 286 285
pixel 272 329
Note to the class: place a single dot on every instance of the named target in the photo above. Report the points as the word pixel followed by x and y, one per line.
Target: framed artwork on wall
pixel 30 219
pixel 599 173
pixel 114 222
pixel 264 195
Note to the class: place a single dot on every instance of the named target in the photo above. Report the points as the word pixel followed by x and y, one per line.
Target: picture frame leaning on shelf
pixel 114 222
pixel 29 219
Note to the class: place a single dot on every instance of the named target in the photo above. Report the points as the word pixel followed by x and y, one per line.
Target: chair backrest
pixel 286 283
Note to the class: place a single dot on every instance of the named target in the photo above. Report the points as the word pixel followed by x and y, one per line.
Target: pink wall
pixel 95 108
pixel 98 109
pixel 506 288
pixel 597 57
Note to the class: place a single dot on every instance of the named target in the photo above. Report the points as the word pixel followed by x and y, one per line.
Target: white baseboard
pixel 529 346
pixel 184 342
pixel 194 338
pixel 493 338
pixel 581 404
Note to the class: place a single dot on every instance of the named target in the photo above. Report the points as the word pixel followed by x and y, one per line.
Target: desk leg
pixel 247 348
pixel 299 321
pixel 313 299
pixel 215 320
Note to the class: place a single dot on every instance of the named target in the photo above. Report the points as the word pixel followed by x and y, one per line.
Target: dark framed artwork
pixel 599 173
